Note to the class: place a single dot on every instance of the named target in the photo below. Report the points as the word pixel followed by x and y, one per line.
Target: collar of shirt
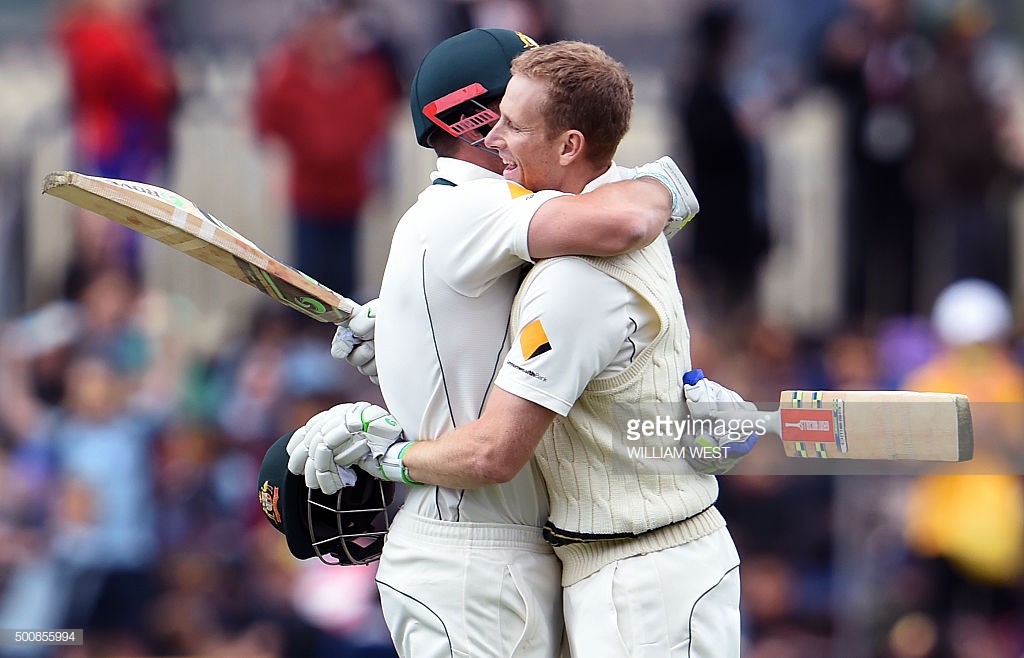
pixel 613 174
pixel 460 171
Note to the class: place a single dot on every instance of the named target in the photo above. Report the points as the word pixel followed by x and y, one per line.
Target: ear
pixel 571 147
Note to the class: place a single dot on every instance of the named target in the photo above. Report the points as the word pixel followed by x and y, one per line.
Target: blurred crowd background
pixel 858 164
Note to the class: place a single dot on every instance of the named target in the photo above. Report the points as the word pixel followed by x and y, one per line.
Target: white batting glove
pixel 356 433
pixel 321 471
pixel 373 425
pixel 298 445
pixel 306 451
pixel 684 201
pixel 717 451
pixel 364 358
pixel 353 340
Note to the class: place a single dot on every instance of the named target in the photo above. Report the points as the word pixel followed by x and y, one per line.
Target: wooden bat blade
pixel 888 425
pixel 177 222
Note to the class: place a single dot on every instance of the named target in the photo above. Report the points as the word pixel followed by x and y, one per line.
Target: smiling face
pixel 565 110
pixel 533 156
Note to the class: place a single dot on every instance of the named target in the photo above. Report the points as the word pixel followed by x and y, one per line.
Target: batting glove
pixel 353 340
pixel 357 433
pixel 684 201
pixel 322 473
pixel 298 445
pixel 717 451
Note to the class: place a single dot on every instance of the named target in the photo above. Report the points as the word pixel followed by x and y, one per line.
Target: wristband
pixel 392 468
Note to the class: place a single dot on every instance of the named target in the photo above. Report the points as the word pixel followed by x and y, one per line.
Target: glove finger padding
pixel 348 451
pixel 370 370
pixel 298 438
pixel 354 416
pixel 346 447
pixel 343 343
pixel 297 450
pixel 361 355
pixel 298 445
pixel 326 472
pixel 364 321
pixel 309 471
pixel 337 436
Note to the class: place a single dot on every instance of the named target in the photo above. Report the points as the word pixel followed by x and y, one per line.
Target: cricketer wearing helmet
pixel 467 572
pixel 649 567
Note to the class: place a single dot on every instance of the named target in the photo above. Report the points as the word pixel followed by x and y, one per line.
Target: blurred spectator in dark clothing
pixel 957 174
pixel 868 57
pixel 123 95
pixel 327 93
pixel 729 236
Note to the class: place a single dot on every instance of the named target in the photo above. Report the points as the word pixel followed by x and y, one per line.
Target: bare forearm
pixel 613 219
pixel 490 450
pixel 455 460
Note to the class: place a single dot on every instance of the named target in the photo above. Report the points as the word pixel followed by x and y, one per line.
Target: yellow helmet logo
pixel 527 41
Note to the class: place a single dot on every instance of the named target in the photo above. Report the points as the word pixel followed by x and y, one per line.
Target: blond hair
pixel 587 90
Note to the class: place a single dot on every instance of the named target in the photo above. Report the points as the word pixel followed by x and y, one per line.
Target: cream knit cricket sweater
pixel 607 505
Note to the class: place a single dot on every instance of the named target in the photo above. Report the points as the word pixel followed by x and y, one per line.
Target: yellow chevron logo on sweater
pixel 533 340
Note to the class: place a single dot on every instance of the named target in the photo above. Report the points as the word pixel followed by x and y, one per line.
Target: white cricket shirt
pixel 442 325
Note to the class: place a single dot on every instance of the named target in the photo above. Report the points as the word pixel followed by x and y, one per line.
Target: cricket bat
pixel 887 425
pixel 174 220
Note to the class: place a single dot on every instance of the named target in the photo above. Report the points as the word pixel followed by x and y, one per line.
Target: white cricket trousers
pixel 681 601
pixel 454 590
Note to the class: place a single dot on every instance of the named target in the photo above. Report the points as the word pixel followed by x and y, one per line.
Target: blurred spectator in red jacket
pixel 122 94
pixel 327 93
